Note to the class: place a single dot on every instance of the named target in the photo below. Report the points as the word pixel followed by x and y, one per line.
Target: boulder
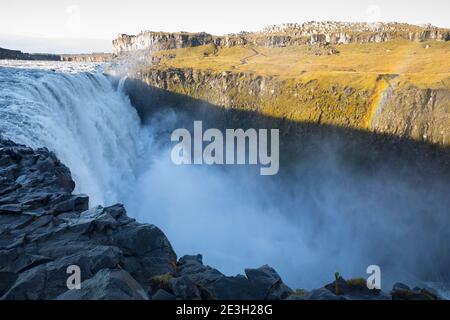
pixel 267 283
pixel 107 284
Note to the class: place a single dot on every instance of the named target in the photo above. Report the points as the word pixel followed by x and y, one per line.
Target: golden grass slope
pixel 424 64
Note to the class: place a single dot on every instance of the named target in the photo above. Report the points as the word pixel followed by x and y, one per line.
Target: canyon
pixel 389 78
pixel 364 130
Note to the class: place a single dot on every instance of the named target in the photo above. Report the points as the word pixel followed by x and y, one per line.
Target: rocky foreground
pixel 44 229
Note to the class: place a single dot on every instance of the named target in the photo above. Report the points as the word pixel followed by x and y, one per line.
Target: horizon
pixel 80 26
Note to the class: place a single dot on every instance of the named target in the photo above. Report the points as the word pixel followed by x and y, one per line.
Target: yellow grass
pixel 356 65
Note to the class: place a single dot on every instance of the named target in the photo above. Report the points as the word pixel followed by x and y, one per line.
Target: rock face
pixel 44 229
pixel 92 57
pixel 418 113
pixel 359 32
pixel 159 41
pixel 284 35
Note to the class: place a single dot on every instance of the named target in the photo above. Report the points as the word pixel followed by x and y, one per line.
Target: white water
pixel 80 116
pixel 329 220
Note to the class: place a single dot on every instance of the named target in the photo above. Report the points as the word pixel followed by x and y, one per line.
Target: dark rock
pixel 7 279
pixel 74 203
pixel 400 286
pixel 49 279
pixel 163 295
pixel 107 284
pixel 356 289
pixel 185 289
pixel 150 245
pixel 192 266
pixel 342 286
pixel 322 294
pixel 229 288
pixel 10 209
pixel 403 292
pixel 267 283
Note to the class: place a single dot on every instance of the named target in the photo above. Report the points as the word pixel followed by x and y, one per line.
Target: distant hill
pixel 19 55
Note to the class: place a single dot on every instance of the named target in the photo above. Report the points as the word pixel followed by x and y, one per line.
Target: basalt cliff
pixel 390 78
pixel 284 35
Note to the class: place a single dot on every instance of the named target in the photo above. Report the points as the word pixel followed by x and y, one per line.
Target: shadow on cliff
pixel 357 197
pixel 297 139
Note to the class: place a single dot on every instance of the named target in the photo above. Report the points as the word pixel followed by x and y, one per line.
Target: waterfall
pixel 325 217
pixel 90 125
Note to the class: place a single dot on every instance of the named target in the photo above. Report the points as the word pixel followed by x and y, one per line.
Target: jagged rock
pixel 283 35
pixel 163 295
pixel 401 291
pixel 149 244
pixel 184 288
pixel 261 283
pixel 44 228
pixel 107 284
pixel 192 266
pixel 267 283
pixel 159 41
pixel 355 289
pixel 73 203
pixel 317 294
pixel 49 279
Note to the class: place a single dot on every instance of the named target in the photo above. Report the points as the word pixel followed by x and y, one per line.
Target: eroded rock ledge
pixel 284 35
pixel 45 228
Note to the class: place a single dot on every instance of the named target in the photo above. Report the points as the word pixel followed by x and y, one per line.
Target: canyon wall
pixel 405 111
pixel 388 102
pixel 92 57
pixel 159 41
pixel 284 35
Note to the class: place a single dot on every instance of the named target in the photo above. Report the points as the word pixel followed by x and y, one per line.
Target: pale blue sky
pixel 90 25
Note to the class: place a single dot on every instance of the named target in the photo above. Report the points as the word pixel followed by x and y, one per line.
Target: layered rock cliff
pixel 91 57
pixel 388 77
pixel 284 35
pixel 159 41
pixel 412 112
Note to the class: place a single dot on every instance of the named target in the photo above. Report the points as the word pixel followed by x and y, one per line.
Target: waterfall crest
pixel 89 124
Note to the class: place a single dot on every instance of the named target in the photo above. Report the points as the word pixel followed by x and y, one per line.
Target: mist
pixel 320 215
pixel 330 208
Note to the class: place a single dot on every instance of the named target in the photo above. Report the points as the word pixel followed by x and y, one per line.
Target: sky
pixel 74 26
